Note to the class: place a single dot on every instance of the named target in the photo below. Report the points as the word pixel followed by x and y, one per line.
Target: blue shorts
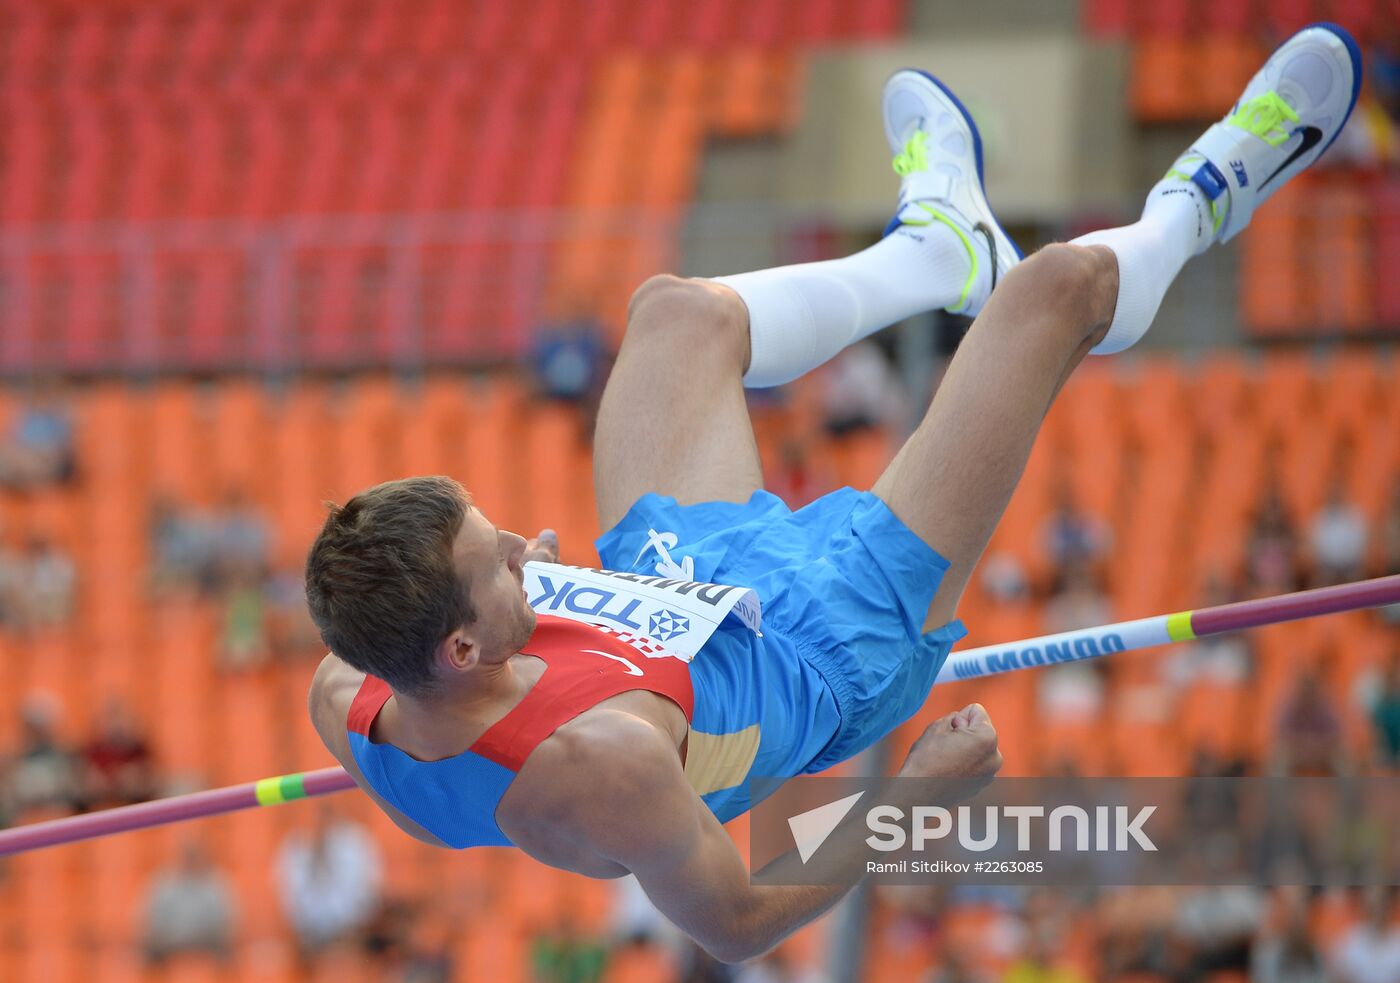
pixel 843 660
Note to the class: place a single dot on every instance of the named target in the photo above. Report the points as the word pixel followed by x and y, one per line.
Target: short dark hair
pixel 381 583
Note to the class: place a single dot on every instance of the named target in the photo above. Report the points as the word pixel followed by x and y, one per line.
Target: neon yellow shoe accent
pixel 1264 116
pixel 936 216
pixel 914 156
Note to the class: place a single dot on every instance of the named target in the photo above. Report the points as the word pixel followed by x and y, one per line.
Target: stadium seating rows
pixel 1193 18
pixel 1317 261
pixel 224 130
pixel 225 135
pixel 1140 444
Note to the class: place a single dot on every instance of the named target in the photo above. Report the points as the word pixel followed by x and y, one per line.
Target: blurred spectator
pixel 1213 805
pixel 798 478
pixel 1288 955
pixel 861 391
pixel 1214 929
pixel 698 966
pixel 118 767
pixel 635 918
pixel 1074 691
pixel 568 358
pixel 567 955
pixel 1041 962
pixel 1078 600
pixel 1222 660
pixel 1385 714
pixel 1369 952
pixel 1004 578
pixel 428 957
pixel 244 643
pixel 1309 739
pixel 1390 534
pixel 1272 547
pixel 44 775
pixel 1071 693
pixel 1383 68
pixel 290 630
pixel 12 584
pixel 388 938
pixel 917 913
pixel 210 550
pixel 44 597
pixel 329 880
pixel 1133 925
pixel 189 908
pixel 1072 537
pixel 180 548
pixel 38 450
pixel 1337 538
pixel 241 540
pixel 958 966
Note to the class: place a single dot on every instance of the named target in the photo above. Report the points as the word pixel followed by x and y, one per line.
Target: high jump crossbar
pixel 1072 646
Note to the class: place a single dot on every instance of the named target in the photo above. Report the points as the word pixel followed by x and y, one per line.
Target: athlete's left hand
pixel 544 547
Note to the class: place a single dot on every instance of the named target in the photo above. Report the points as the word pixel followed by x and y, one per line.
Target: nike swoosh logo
pixel 632 670
pixel 1311 136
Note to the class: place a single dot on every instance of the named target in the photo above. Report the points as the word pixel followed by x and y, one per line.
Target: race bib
pixel 678 614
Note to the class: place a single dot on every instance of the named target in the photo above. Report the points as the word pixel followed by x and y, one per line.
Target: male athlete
pixel 471 719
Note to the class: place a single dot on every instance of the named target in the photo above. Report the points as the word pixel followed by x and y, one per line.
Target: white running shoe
pixel 938 154
pixel 1288 116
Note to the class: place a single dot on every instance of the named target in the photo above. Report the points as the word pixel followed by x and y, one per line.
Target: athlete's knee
pixel 688 311
pixel 1079 284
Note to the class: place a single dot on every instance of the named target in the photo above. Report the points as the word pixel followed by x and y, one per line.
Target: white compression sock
pixel 800 316
pixel 1176 224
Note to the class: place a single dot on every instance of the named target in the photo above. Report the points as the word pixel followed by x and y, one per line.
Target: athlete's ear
pixel 459 651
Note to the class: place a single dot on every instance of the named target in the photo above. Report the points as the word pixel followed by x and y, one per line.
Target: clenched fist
pixel 961 745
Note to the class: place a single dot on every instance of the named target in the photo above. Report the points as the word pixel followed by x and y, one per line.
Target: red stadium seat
pixel 201 301
pixel 1386 208
pixel 1165 19
pixel 1288 16
pixel 1229 17
pixel 1107 18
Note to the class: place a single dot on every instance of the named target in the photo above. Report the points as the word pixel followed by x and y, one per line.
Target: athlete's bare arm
pixel 610 796
pixel 333 688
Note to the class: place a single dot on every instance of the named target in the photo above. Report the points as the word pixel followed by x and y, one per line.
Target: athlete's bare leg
pixel 673 418
pixel 951 481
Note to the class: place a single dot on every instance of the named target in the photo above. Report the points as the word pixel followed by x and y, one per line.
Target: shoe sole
pixel 1354 53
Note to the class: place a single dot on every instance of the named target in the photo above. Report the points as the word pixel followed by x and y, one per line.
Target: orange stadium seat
pixel 1161 78
pixel 1227 61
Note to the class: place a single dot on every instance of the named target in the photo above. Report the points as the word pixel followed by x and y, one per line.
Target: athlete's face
pixel 490 560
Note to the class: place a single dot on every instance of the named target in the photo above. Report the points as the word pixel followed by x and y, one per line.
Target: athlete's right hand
pixel 960 745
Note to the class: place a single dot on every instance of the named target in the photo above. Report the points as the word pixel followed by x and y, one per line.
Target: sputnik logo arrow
pixel 811 828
